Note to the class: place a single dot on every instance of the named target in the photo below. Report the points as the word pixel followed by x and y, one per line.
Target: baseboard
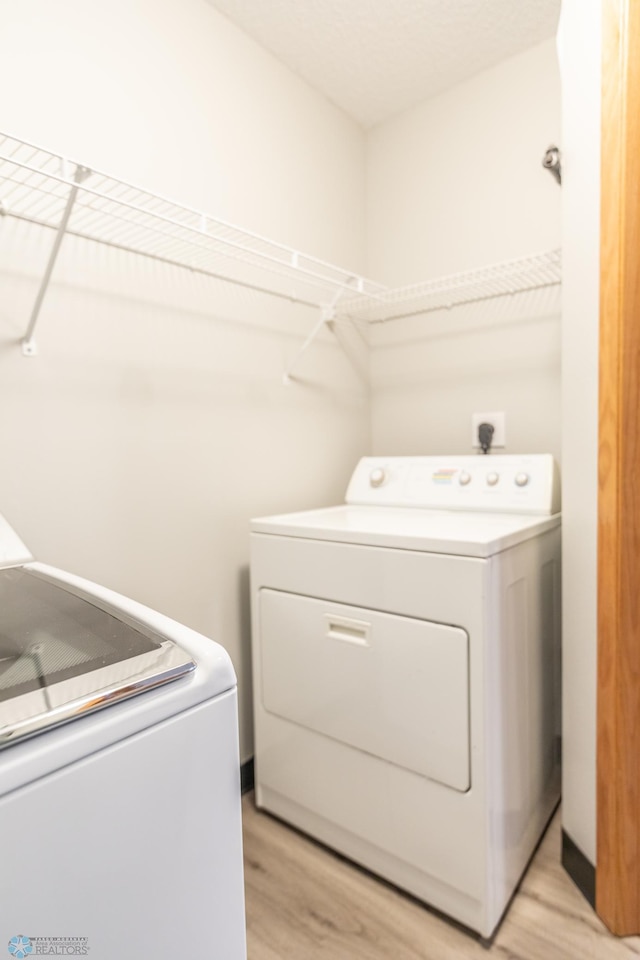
pixel 579 868
pixel 247 776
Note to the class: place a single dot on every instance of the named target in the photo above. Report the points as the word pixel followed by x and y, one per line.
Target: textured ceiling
pixel 375 58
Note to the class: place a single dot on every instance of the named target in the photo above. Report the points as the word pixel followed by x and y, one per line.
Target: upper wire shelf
pixel 497 280
pixel 35 186
pixel 43 188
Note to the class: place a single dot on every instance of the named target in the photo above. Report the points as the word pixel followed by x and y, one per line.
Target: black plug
pixel 485 436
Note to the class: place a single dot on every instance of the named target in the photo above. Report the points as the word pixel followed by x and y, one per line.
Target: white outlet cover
pixel 499 431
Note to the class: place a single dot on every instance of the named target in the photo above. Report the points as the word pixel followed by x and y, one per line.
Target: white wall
pixel 153 423
pixel 455 184
pixel 580 51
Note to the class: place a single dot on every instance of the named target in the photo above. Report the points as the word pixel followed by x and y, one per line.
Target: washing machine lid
pixel 65 653
pixel 434 531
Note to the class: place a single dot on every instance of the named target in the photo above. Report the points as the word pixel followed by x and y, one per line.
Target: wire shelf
pixel 43 188
pixel 35 186
pixel 497 280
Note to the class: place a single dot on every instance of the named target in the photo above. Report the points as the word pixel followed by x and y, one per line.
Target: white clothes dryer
pixel 120 821
pixel 406 673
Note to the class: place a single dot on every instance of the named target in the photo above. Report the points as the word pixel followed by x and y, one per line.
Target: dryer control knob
pixel 377 476
pixel 492 479
pixel 464 478
pixel 522 479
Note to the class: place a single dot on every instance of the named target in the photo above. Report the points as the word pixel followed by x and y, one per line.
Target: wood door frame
pixel 618 681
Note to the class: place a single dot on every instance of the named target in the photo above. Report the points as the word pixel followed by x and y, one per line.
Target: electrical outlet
pixel 497 420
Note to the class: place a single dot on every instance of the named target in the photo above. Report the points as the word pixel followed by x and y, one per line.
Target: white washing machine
pixel 120 821
pixel 406 673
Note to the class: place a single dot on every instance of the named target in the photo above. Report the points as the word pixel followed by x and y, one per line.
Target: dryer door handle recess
pixel 348 630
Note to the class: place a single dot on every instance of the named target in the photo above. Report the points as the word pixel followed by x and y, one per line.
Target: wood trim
pixel 618 738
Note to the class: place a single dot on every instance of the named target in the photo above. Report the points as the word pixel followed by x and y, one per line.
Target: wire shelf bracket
pixel 326 318
pixel 29 346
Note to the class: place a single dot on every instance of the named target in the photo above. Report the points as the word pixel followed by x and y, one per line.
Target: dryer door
pixel 393 686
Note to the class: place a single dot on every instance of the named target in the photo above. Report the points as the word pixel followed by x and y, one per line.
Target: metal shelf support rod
pixel 29 347
pixel 327 314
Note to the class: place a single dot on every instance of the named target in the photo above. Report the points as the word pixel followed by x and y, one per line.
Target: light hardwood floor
pixel 305 903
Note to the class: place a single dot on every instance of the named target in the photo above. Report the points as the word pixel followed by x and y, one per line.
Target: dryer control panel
pixel 513 483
